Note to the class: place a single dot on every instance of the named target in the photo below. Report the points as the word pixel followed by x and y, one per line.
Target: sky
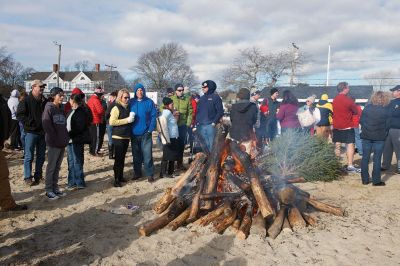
pixel 364 35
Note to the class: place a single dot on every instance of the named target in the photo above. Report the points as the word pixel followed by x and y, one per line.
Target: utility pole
pixel 327 67
pixel 111 69
pixel 59 62
pixel 295 56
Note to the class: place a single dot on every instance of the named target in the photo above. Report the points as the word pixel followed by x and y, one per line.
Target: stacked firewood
pixel 225 188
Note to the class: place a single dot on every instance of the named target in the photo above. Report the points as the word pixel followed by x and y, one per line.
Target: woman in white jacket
pixel 168 129
pixel 15 134
pixel 309 115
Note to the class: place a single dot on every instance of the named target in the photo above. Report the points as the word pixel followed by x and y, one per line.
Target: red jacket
pixel 194 107
pixel 343 110
pixel 356 118
pixel 96 108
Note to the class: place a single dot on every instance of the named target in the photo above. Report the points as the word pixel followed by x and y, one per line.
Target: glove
pixel 131 117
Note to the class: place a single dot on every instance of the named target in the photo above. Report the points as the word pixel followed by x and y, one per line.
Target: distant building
pixel 87 81
pixel 361 93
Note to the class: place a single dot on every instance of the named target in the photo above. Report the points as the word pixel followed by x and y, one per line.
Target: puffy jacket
pixel 13 104
pixel 343 110
pixel 326 110
pixel 79 125
pixel 145 113
pixel 243 118
pixel 209 108
pixel 394 112
pixel 30 112
pixel 287 116
pixel 374 122
pixel 97 109
pixel 55 126
pixel 184 106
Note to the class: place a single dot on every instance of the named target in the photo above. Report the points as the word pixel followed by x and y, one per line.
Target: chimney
pixel 97 67
pixel 55 67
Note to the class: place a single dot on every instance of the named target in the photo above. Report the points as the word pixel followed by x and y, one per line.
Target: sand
pixel 75 231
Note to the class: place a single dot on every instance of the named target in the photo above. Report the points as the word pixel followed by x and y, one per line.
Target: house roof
pixel 69 76
pixel 302 92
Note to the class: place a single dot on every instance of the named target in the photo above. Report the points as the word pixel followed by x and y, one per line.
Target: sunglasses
pixel 126 98
pixel 179 90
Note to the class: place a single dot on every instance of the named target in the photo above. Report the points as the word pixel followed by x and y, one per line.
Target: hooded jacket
pixel 30 112
pixel 209 108
pixel 325 108
pixel 55 126
pixel 13 104
pixel 243 118
pixel 145 113
pixel 79 125
pixel 97 109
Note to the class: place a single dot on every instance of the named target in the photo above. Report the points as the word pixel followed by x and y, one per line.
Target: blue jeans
pixel 142 152
pixel 109 134
pixel 22 130
pixel 33 141
pixel 75 158
pixel 208 134
pixel 377 147
pixel 358 142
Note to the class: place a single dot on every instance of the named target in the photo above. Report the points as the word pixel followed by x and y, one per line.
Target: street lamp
pixel 59 62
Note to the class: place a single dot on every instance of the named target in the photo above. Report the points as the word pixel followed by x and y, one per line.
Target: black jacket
pixel 243 118
pixel 29 112
pixel 394 113
pixel 80 122
pixel 5 121
pixel 374 122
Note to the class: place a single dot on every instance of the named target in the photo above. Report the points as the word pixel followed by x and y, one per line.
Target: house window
pixel 82 78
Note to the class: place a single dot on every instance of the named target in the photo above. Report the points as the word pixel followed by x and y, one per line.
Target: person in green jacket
pixel 183 113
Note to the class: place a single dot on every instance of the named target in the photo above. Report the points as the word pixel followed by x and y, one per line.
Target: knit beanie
pixel 273 90
pixel 243 94
pixel 166 101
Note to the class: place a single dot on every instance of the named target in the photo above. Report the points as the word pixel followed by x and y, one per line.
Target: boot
pixel 163 169
pixel 111 151
pixel 117 183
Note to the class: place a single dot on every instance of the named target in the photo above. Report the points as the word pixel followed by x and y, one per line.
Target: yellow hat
pixel 324 97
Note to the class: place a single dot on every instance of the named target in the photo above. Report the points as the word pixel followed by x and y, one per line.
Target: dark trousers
pixel 368 147
pixel 392 143
pixel 121 146
pixel 142 152
pixel 15 135
pixel 94 146
pixel 102 132
pixel 183 130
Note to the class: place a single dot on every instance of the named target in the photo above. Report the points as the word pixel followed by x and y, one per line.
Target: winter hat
pixel 138 86
pixel 257 92
pixel 166 101
pixel 170 90
pixel 397 88
pixel 54 91
pixel 324 97
pixel 273 90
pixel 243 94
pixel 311 98
pixel 76 91
pixel 212 86
pixel 179 85
pixel 99 90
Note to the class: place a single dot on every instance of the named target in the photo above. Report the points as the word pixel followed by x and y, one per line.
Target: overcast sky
pixel 364 34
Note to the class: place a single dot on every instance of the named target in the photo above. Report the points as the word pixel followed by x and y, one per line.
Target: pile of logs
pixel 226 189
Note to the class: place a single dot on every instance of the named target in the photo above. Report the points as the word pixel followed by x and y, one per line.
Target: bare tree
pixel 381 80
pixel 165 67
pixel 255 68
pixel 12 73
pixel 82 65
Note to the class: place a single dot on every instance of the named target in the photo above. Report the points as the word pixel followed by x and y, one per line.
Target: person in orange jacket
pixel 97 109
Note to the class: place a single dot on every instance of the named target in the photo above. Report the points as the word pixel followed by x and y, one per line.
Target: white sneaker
pixel 353 169
pixel 52 196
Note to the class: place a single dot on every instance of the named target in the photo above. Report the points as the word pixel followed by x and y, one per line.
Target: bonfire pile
pixel 225 188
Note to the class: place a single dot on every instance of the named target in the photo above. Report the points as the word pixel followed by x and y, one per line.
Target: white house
pixel 87 81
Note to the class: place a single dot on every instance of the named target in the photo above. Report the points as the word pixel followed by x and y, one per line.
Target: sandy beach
pixel 74 230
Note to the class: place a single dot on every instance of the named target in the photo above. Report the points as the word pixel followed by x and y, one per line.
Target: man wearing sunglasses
pixel 30 112
pixel 184 113
pixel 209 112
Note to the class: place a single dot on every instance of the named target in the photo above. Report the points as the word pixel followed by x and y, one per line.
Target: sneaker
pixel 80 187
pixel 70 188
pixel 352 169
pixel 28 181
pixel 379 184
pixel 60 193
pixel 52 196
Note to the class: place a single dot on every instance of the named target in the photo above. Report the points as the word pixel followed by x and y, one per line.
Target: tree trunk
pixel 286 226
pixel 326 207
pixel 311 220
pixel 295 218
pixel 180 220
pixel 211 216
pixel 276 227
pixel 224 221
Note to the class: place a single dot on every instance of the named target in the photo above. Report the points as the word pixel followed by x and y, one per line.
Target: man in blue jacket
pixel 142 127
pixel 209 112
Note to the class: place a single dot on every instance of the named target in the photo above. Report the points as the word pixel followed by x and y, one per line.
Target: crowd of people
pixel 35 123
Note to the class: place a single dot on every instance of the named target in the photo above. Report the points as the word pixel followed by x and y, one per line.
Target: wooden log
pixel 237 181
pixel 176 208
pixel 286 226
pixel 211 216
pixel 258 191
pixel 326 207
pixel 220 195
pixel 195 168
pixel 224 221
pixel 236 224
pixel 293 180
pixel 214 167
pixel 244 229
pixel 276 227
pixel 286 195
pixel 311 220
pixel 295 218
pixel 163 203
pixel 179 221
pixel 258 226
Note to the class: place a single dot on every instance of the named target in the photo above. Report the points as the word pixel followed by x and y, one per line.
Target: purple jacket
pixel 287 116
pixel 55 126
